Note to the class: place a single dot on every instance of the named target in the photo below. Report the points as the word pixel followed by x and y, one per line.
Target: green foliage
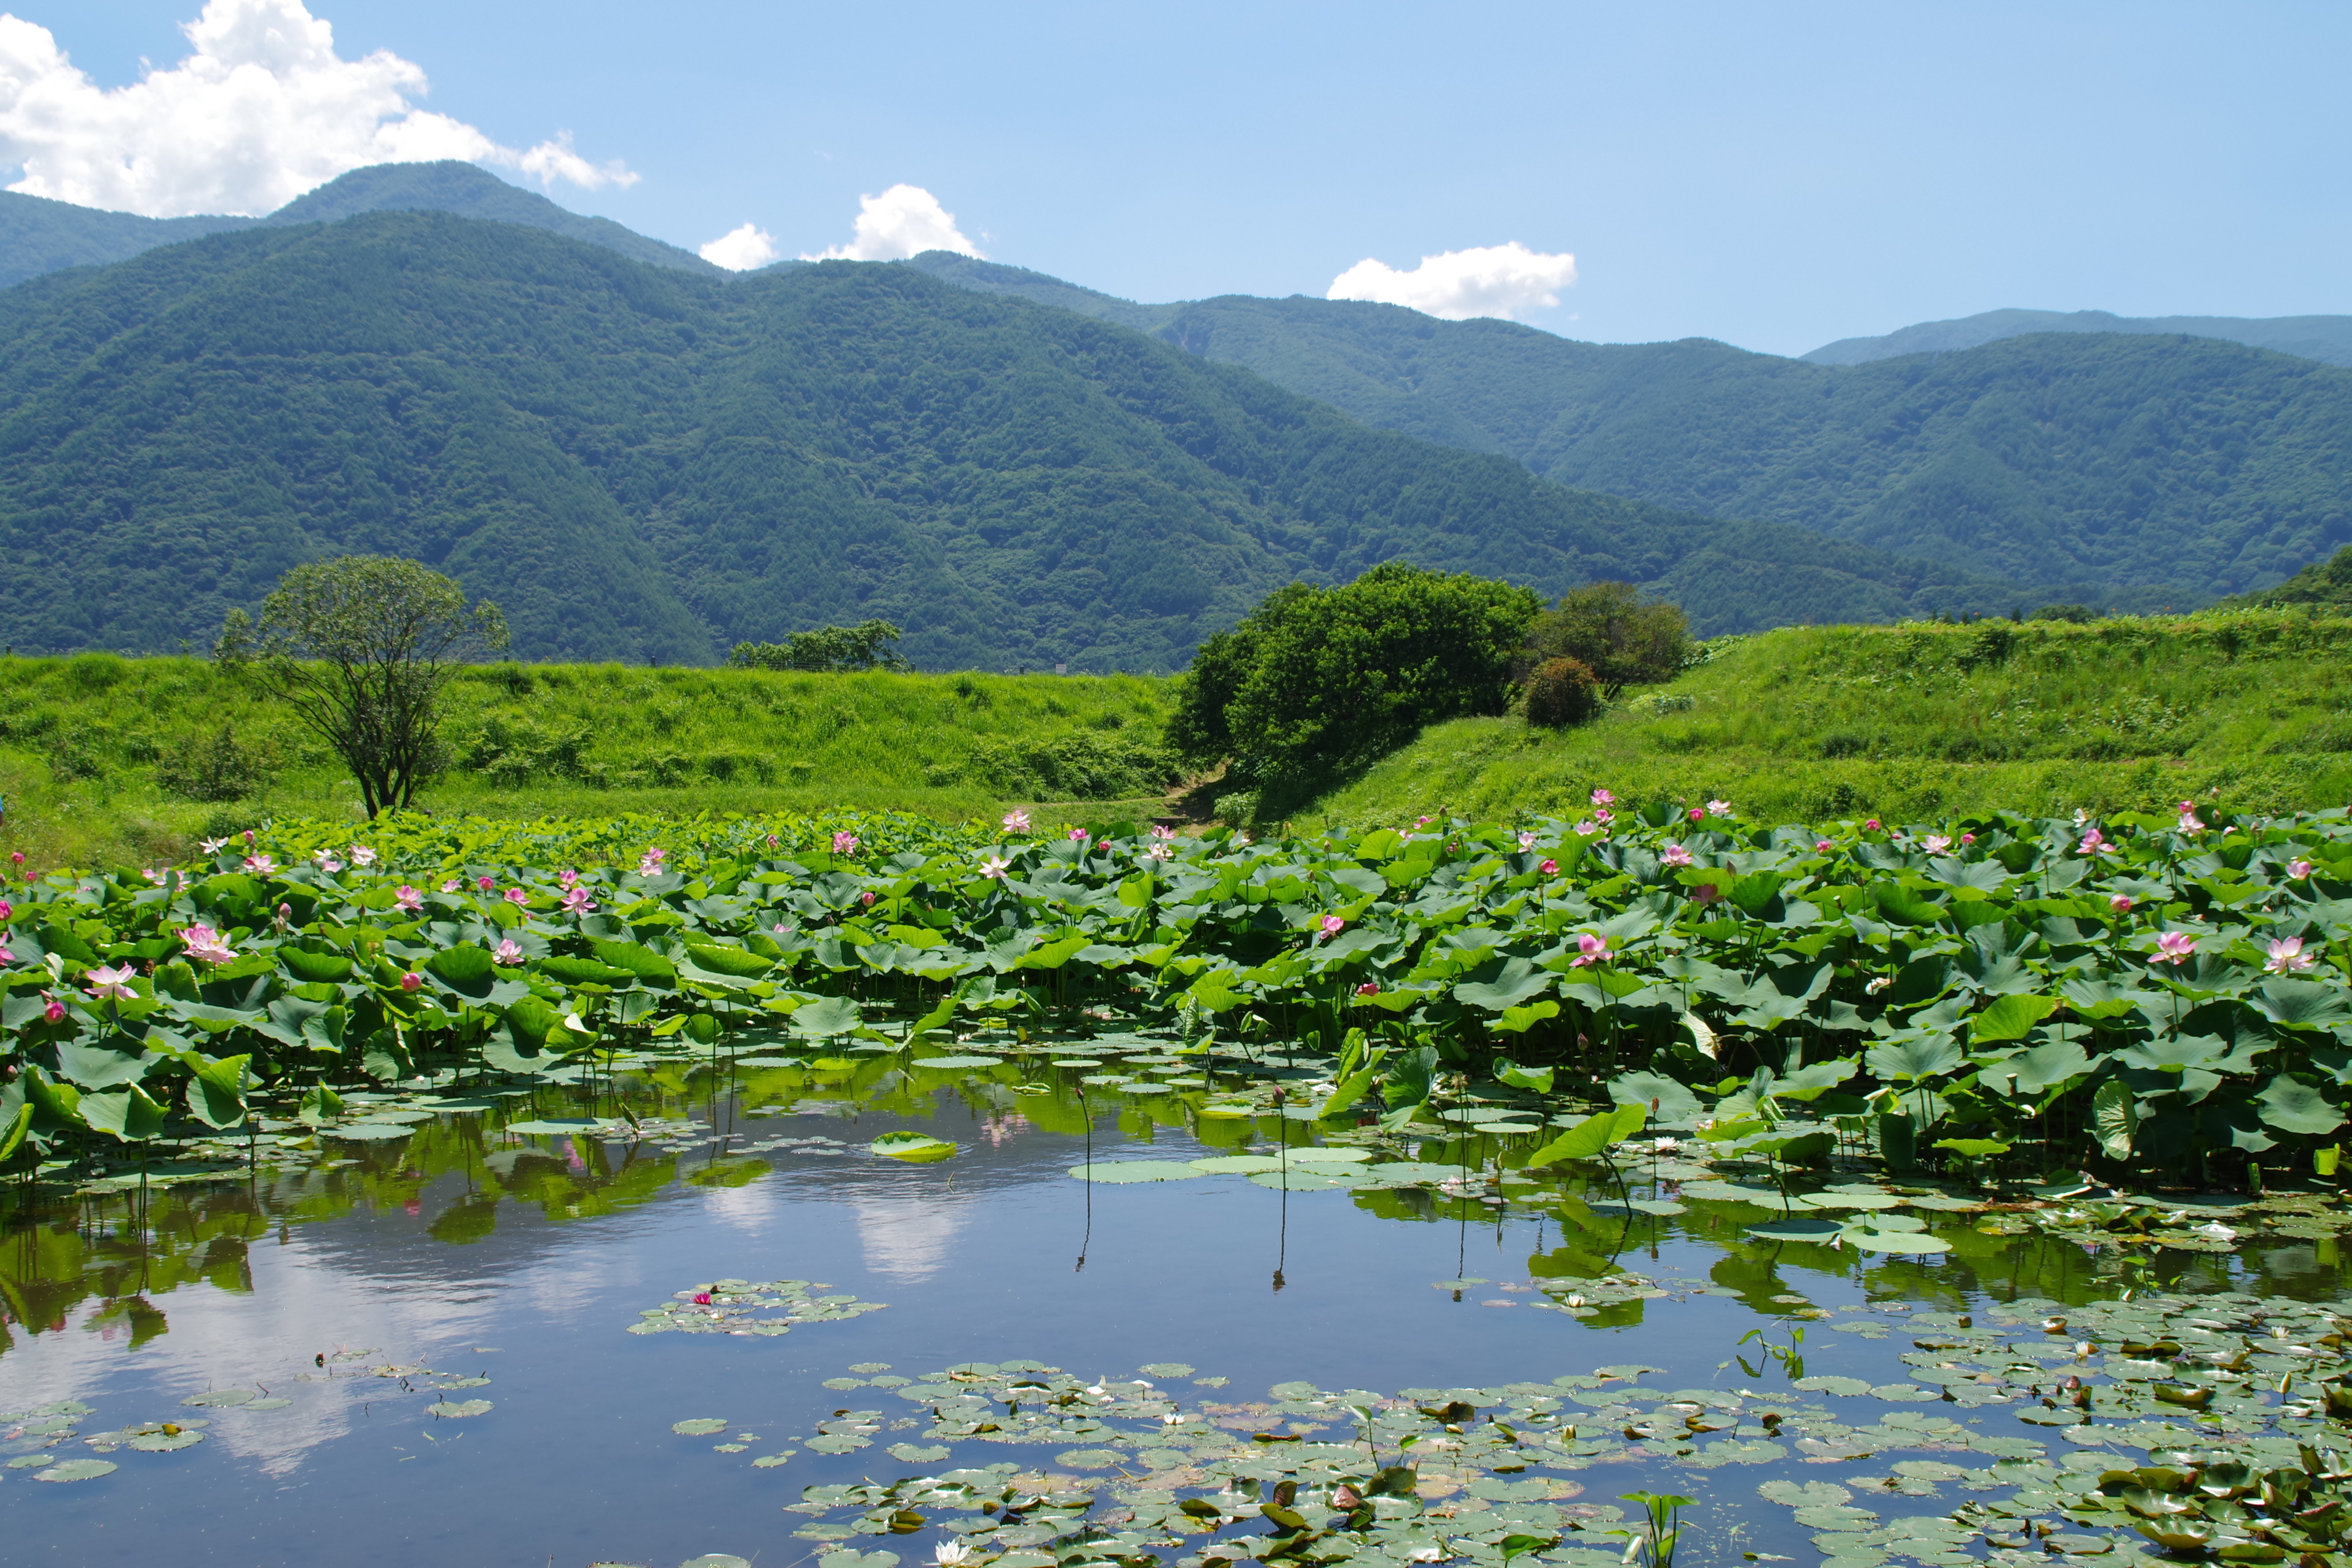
pixel 1560 693
pixel 2322 584
pixel 649 464
pixel 361 649
pixel 2142 472
pixel 214 767
pixel 530 741
pixel 1610 631
pixel 829 650
pixel 1318 682
pixel 2251 708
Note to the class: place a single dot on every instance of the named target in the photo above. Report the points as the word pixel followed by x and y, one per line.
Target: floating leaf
pixel 700 1426
pixel 1136 1171
pixel 458 1410
pixel 914 1148
pixel 77 1470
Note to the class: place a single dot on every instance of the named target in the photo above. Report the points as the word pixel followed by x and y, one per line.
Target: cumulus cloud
pixel 260 111
pixel 741 249
pixel 903 221
pixel 1487 281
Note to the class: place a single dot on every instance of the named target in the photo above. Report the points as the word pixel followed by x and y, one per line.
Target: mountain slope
pixel 2132 471
pixel 640 463
pixel 2323 338
pixel 38 235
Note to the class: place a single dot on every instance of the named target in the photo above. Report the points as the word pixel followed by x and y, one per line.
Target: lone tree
pixel 361 648
pixel 1610 630
pixel 829 650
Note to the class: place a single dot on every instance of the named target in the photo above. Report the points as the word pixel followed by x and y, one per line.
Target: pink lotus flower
pixel 1368 989
pixel 779 928
pixel 2287 957
pixel 1706 893
pixel 1718 808
pixel 1697 815
pixel 452 885
pixel 1550 868
pixel 411 980
pixel 1077 836
pixel 1586 829
pixel 867 898
pixel 845 844
pixel 285 913
pixel 506 952
pixel 576 903
pixel 105 983
pixel 1601 797
pixel 772 841
pixel 260 865
pixel 2297 870
pixel 1674 854
pixel 2174 947
pixel 1017 822
pixel 248 836
pixel 2122 903
pixel 8 910
pixel 485 884
pixel 1159 852
pixel 407 897
pixel 17 857
pixel 515 896
pixel 1602 816
pixel 212 845
pixel 1968 838
pixel 1822 845
pixel 1527 842
pixel 2189 823
pixel 7 956
pixel 363 856
pixel 205 945
pixel 1591 949
pixel 327 861
pixel 2094 843
pixel 1872 824
pixel 1160 830
pixel 994 866
pixel 702 1298
pixel 54 1010
pixel 567 879
pixel 1330 925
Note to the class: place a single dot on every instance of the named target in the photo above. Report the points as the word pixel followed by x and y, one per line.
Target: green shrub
pixel 1082 766
pixel 214 767
pixel 1609 629
pixel 1560 693
pixel 2080 614
pixel 830 650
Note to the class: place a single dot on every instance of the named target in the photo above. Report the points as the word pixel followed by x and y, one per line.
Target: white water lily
pixel 2216 1230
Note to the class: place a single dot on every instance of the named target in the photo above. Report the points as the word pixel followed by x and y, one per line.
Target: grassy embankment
pixel 2251 708
pixel 87 742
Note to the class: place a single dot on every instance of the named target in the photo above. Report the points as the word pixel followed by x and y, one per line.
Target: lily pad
pixel 554 1127
pixel 700 1426
pixel 944 1062
pixel 164 1442
pixel 1330 1157
pixel 1241 1164
pixel 1090 1459
pixel 78 1470
pixel 913 1148
pixel 1136 1171
pixel 458 1410
pixel 366 1131
pixel 1298 1180
pixel 222 1397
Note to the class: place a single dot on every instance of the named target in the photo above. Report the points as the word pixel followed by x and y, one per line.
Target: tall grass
pixel 2251 708
pixel 87 743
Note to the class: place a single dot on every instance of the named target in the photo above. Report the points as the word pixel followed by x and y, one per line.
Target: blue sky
pixel 1773 176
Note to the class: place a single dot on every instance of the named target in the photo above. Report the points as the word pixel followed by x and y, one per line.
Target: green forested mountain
pixel 2328 338
pixel 643 463
pixel 2136 471
pixel 38 235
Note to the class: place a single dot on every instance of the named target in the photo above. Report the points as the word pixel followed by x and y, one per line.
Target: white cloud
pixel 261 110
pixel 1489 281
pixel 741 249
pixel 903 221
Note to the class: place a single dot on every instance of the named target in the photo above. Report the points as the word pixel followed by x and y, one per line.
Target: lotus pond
pixel 1129 1297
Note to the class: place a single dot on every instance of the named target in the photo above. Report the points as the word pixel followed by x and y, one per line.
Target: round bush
pixel 1560 693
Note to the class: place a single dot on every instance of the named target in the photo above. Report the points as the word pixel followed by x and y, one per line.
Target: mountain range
pixel 642 457
pixel 2323 338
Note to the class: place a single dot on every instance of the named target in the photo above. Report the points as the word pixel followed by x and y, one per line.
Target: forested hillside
pixel 641 463
pixel 38 235
pixel 2328 338
pixel 2139 471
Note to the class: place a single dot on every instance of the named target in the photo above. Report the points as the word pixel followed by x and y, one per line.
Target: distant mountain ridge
pixel 38 235
pixel 645 464
pixel 2134 471
pixel 2327 339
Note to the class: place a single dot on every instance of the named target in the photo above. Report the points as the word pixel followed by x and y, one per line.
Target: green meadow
pixel 112 760
pixel 2250 710
pixel 106 760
